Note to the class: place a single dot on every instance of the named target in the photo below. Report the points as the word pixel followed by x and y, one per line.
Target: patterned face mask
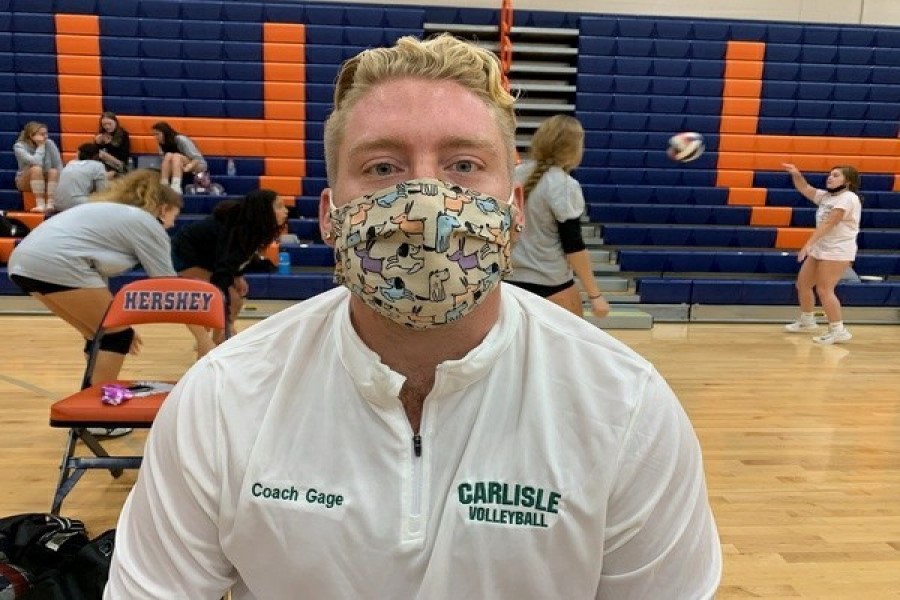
pixel 422 253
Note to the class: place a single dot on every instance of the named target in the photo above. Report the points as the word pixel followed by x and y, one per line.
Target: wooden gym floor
pixel 801 443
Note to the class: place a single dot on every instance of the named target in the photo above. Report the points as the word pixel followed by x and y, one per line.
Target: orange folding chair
pixel 155 300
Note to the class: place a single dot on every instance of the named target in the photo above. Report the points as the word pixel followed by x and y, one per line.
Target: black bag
pixel 52 558
pixel 82 576
pixel 12 228
pixel 38 541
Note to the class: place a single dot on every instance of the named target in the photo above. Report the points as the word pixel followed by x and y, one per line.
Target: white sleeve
pixel 566 198
pixel 53 156
pixel 818 196
pixel 24 156
pixel 153 249
pixel 167 538
pixel 661 539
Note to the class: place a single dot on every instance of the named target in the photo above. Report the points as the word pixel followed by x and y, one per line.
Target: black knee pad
pixel 88 345
pixel 119 342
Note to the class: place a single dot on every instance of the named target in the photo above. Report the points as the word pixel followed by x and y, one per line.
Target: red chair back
pixel 167 300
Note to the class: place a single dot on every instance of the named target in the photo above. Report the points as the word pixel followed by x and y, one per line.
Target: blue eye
pixel 383 169
pixel 465 166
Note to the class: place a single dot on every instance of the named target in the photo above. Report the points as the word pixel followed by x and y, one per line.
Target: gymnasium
pixel 698 260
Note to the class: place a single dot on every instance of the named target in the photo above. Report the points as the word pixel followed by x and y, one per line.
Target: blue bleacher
pixel 639 80
pixel 677 214
pixel 680 235
pixel 668 262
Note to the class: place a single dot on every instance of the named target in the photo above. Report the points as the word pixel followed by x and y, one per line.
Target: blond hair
pixel 141 188
pixel 30 129
pixel 442 58
pixel 558 142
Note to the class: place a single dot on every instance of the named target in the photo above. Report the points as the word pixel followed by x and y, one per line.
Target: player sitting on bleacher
pixel 180 155
pixel 39 165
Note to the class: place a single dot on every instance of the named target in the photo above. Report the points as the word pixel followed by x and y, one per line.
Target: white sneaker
pixel 833 337
pixel 109 431
pixel 800 326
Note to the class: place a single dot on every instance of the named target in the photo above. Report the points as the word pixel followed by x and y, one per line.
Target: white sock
pixel 836 326
pixel 51 191
pixel 176 182
pixel 37 186
pixel 807 317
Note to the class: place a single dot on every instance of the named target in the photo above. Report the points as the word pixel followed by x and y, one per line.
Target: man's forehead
pixel 418 110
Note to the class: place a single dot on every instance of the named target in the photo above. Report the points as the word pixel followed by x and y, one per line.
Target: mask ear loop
pixel 512 199
pixel 328 235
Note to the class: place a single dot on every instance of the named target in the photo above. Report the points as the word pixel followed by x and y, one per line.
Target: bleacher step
pixel 613 284
pixel 622 318
pixel 530 86
pixel 599 256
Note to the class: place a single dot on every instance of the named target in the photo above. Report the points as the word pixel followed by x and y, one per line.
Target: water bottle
pixel 230 168
pixel 284 263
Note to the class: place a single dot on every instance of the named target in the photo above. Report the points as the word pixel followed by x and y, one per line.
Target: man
pixel 80 178
pixel 430 433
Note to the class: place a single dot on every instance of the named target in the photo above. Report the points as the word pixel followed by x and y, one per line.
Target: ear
pixel 325 228
pixel 519 202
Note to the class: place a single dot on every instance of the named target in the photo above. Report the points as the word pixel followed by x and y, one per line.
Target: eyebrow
pixel 452 143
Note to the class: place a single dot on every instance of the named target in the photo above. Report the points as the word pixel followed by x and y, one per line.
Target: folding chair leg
pixel 71 468
pixel 90 440
pixel 62 487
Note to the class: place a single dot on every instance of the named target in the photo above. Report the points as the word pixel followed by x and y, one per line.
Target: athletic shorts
pixel 36 286
pixel 544 291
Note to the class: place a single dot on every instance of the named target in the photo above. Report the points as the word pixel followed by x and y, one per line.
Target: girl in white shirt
pixel 829 251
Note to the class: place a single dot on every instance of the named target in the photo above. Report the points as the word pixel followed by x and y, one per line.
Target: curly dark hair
pixel 251 218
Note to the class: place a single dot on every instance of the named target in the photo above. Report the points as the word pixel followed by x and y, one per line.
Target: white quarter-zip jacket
pixel 552 463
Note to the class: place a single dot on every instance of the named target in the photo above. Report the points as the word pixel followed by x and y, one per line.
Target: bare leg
pixel 165 167
pixel 570 299
pixel 23 181
pixel 84 309
pixel 203 275
pixel 806 279
pixel 827 276
pixel 178 162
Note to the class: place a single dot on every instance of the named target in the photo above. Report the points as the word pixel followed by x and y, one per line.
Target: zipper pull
pixel 417 445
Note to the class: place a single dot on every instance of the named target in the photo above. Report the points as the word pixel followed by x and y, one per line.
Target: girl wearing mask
pixel 829 251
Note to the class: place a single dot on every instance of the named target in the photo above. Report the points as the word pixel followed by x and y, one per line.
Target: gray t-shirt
pixel 46 156
pixel 537 256
pixel 187 147
pixel 77 181
pixel 83 246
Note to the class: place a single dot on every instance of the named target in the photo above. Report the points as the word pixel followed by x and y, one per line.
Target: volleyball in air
pixel 685 147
